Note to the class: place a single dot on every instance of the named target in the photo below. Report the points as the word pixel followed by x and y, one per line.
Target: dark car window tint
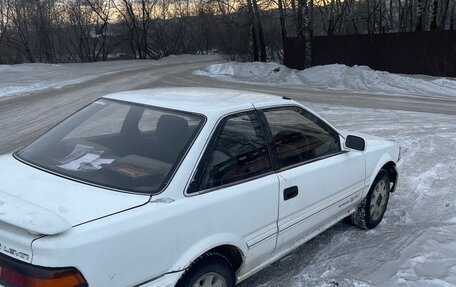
pixel 299 136
pixel 238 152
pixel 102 145
pixel 149 120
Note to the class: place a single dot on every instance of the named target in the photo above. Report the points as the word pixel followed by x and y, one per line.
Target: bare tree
pixel 137 16
pixel 305 29
pixel 333 14
pixel 259 30
pixel 253 39
pixel 226 26
pixel 4 18
pixel 453 17
pixel 20 19
pixel 102 9
pixel 444 14
pixel 82 30
pixel 205 19
pixel 433 14
pixel 419 16
pixel 283 23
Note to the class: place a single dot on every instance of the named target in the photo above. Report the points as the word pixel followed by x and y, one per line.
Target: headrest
pixel 171 126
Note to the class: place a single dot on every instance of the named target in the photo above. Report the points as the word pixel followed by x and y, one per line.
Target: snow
pixel 430 260
pixel 415 243
pixel 336 77
pixel 26 78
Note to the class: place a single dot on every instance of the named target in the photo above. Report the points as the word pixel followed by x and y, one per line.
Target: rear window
pixel 117 145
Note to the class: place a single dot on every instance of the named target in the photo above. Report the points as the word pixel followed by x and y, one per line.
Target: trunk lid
pixel 31 217
pixel 43 203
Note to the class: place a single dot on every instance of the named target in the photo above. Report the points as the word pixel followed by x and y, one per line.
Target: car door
pixel 236 187
pixel 319 181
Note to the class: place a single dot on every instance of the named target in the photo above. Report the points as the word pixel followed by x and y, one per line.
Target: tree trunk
pixel 444 15
pixel 452 19
pixel 261 41
pixel 4 18
pixel 253 33
pixel 419 16
pixel 305 32
pixel 299 19
pixel 283 24
pixel 295 13
pixel 307 35
pixel 254 44
pixel 391 15
pixel 433 15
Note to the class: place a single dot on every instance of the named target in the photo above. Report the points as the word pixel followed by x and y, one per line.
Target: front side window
pixel 299 136
pixel 237 152
pixel 117 145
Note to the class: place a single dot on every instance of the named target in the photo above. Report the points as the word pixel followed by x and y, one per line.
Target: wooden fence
pixel 429 53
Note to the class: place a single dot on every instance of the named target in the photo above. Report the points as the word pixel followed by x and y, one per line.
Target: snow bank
pixel 358 79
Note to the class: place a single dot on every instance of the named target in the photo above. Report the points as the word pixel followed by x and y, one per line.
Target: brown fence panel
pixel 293 53
pixel 429 53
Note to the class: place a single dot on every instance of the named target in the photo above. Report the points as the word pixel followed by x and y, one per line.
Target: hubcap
pixel 211 279
pixel 378 200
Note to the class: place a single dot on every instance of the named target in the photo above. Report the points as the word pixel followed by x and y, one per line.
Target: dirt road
pixel 25 117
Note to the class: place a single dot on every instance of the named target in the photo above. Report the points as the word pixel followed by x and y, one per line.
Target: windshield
pixel 117 145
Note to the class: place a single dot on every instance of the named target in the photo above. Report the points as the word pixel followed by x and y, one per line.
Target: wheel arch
pixel 234 256
pixel 195 271
pixel 390 167
pixel 230 249
pixel 372 169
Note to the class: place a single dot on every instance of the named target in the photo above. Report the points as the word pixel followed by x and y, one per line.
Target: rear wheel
pixel 370 211
pixel 209 271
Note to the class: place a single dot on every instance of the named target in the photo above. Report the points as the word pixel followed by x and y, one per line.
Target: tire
pixel 371 209
pixel 209 271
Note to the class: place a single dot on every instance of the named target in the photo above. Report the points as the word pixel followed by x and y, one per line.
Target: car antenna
pixel 286 98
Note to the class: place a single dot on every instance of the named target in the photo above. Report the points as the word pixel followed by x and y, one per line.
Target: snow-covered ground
pixel 24 78
pixel 415 244
pixel 357 79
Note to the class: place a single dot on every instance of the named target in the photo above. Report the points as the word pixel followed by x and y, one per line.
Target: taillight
pixel 14 273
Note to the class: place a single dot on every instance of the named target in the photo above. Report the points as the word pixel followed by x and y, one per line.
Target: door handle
pixel 290 192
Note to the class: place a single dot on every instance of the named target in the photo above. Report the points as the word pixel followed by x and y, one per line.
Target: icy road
pixel 415 244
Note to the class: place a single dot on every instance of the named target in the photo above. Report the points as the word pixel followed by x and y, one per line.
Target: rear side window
pixel 237 152
pixel 299 136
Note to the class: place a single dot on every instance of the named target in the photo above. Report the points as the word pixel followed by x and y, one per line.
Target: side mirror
pixel 356 143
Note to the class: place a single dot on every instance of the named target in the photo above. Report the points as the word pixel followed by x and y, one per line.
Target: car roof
pixel 206 101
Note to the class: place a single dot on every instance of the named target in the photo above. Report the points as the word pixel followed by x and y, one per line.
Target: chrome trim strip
pixel 312 213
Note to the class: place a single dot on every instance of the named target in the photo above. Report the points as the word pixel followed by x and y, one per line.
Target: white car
pixel 182 187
